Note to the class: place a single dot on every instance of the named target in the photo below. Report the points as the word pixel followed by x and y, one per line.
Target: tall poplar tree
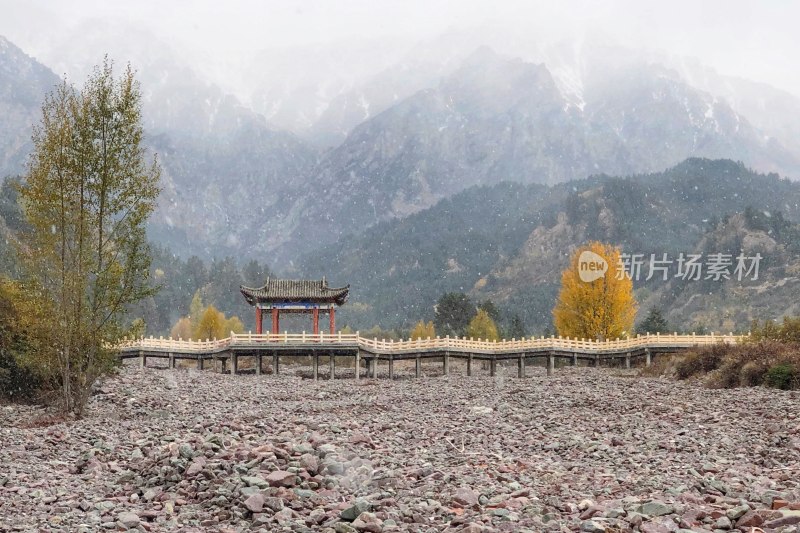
pixel 88 192
pixel 601 309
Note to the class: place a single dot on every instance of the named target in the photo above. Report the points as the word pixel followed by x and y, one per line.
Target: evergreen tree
pixel 255 274
pixel 491 309
pixel 516 329
pixel 654 322
pixel 453 312
pixel 87 195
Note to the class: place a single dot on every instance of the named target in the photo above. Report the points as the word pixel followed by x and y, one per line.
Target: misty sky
pixel 756 40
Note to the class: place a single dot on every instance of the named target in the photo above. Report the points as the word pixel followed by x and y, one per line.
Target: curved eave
pixel 335 296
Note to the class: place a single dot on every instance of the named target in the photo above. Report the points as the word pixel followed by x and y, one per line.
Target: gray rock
pixel 590 526
pixel 353 512
pixel 129 520
pixel 151 494
pixel 723 522
pixel 368 522
pixel 186 451
pixel 735 513
pixel 655 508
pixel 255 481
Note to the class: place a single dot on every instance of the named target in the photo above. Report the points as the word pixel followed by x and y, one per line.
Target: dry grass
pixel 770 363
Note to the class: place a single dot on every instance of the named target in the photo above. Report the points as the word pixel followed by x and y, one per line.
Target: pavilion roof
pixel 291 291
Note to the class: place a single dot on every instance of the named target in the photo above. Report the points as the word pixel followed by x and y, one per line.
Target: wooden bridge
pixel 370 352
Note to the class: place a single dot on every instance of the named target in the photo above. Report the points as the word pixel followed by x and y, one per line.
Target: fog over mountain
pixel 283 130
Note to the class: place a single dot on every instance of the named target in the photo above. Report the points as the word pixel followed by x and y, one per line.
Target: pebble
pixel 586 449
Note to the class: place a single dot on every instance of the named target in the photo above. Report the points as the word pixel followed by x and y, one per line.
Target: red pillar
pixel 258 320
pixel 276 321
pixel 333 320
pixel 316 320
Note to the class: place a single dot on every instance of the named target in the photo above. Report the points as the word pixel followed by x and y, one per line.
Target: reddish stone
pixel 749 519
pixel 787 520
pixel 690 498
pixel 653 527
pixel 591 511
pixel 466 497
pixel 281 478
pixel 777 503
pixel 692 518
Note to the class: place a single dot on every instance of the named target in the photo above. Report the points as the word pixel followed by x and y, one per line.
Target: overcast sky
pixel 753 39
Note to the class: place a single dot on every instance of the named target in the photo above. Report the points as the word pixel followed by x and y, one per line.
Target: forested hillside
pixel 510 242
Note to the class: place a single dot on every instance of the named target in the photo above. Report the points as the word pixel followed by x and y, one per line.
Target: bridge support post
pixel 551 363
pixel 418 366
pixel 574 358
pixel 275 363
pixel 315 365
pixel 224 364
pixel 628 360
pixel 596 361
pixel 446 364
pixel 391 367
pixel 142 360
pixel 358 364
pixel 332 364
pixel 234 363
pixel 469 365
pixel 492 366
pixel 171 360
pixel 521 366
pixel 258 364
pixel 648 357
pixel 200 362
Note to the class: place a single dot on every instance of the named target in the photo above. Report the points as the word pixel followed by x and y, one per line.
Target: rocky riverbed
pixel 585 450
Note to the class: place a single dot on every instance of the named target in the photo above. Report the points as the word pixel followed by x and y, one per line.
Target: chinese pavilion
pixel 295 296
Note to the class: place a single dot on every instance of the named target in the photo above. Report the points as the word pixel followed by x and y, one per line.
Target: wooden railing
pixel 456 344
pixel 174 345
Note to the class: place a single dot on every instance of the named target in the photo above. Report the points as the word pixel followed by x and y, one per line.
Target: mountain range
pixel 487 147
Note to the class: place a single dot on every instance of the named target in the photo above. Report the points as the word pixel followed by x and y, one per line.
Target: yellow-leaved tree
pixel 232 325
pixel 423 331
pixel 596 300
pixel 211 325
pixel 89 190
pixel 482 327
pixel 214 325
pixel 182 329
